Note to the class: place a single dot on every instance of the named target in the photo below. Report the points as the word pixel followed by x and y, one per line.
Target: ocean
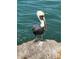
pixel 26 17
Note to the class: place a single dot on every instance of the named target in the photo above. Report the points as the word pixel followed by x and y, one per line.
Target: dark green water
pixel 26 17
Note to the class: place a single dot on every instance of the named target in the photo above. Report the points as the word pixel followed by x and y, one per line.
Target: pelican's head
pixel 41 15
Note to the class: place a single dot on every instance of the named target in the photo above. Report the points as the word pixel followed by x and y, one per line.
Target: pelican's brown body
pixel 37 30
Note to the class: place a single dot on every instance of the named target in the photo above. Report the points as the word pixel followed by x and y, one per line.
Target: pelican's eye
pixel 42 17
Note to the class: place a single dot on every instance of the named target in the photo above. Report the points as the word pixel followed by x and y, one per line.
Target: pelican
pixel 38 30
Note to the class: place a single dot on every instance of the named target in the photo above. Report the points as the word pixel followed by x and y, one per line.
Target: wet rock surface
pixel 49 49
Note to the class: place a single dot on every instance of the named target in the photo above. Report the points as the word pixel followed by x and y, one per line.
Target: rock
pixel 49 49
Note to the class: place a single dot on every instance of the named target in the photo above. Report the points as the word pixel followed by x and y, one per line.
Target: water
pixel 26 17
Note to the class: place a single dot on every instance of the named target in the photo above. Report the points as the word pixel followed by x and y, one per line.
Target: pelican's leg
pixel 39 37
pixel 42 37
pixel 36 38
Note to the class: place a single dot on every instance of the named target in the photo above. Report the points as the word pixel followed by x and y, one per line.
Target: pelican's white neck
pixel 42 23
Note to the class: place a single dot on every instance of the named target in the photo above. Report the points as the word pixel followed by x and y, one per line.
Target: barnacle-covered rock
pixel 49 49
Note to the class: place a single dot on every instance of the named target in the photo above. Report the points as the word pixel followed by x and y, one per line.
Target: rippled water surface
pixel 26 17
